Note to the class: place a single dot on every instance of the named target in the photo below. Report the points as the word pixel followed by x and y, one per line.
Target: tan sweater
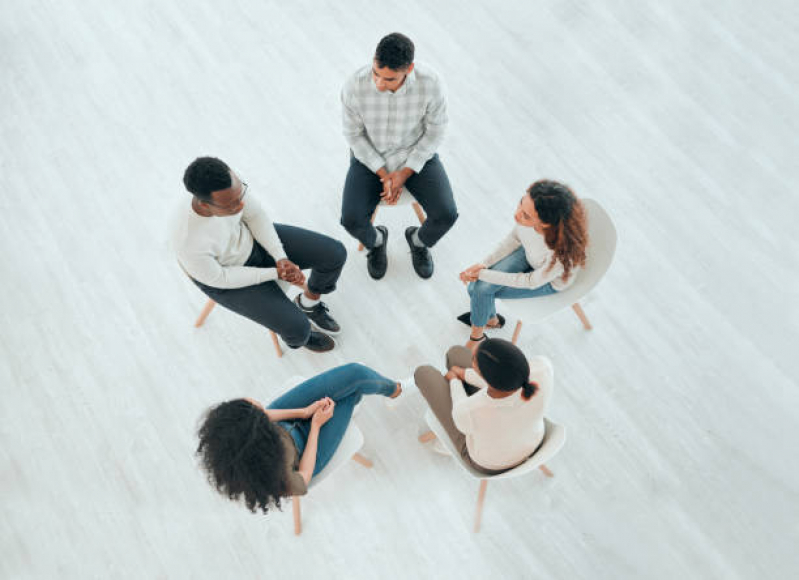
pixel 538 255
pixel 501 433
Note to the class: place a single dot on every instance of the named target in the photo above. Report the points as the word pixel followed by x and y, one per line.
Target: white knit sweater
pixel 538 255
pixel 213 250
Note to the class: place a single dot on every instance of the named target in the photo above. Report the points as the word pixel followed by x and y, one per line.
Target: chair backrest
pixel 602 238
pixel 554 438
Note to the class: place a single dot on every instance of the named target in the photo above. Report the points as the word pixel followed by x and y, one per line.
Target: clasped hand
pixel 290 272
pixel 392 185
pixel 320 411
pixel 471 273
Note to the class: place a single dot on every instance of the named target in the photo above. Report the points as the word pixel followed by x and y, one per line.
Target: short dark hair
pixel 394 51
pixel 205 175
pixel 243 455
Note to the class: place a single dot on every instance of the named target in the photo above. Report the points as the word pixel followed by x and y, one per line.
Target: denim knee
pixel 481 288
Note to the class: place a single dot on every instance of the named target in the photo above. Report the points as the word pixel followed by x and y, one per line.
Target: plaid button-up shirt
pixel 394 130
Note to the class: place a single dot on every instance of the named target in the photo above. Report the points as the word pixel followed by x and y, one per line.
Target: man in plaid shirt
pixel 395 115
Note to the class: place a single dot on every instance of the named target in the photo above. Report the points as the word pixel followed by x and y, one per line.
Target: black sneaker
pixel 319 317
pixel 422 260
pixel 376 258
pixel 319 342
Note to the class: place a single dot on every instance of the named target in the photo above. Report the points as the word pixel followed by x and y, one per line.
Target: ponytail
pixel 528 390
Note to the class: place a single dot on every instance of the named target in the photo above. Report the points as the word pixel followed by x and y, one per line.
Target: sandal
pixel 466 318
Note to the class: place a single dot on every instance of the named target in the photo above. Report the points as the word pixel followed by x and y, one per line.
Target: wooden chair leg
pixel 425 437
pixel 372 221
pixel 481 495
pixel 578 310
pixel 295 507
pixel 358 458
pixel 419 212
pixel 516 332
pixel 278 350
pixel 546 471
pixel 209 306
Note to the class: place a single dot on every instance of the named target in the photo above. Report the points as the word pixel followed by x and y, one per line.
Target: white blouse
pixel 501 433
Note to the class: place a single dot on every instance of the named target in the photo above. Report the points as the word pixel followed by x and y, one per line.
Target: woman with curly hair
pixel 262 454
pixel 540 256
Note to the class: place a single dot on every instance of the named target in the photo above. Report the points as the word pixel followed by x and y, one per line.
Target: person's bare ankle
pixel 397 392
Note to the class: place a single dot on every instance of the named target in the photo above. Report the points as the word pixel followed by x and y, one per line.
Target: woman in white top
pixel 491 402
pixel 540 256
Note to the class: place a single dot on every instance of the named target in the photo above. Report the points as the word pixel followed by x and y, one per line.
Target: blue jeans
pixel 483 294
pixel 346 385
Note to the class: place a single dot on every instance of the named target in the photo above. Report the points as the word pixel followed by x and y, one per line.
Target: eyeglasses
pixel 235 203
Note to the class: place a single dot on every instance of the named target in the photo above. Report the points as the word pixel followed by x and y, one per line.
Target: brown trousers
pixel 435 389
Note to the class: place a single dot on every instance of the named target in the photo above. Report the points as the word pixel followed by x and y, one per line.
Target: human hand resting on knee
pixel 290 272
pixel 471 273
pixel 309 411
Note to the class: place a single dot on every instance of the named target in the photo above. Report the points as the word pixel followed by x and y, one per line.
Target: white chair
pixel 599 255
pixel 350 444
pixel 554 438
pixel 209 306
pixel 405 199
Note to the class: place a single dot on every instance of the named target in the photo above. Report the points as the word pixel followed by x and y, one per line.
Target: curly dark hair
pixel 394 51
pixel 558 207
pixel 242 452
pixel 205 175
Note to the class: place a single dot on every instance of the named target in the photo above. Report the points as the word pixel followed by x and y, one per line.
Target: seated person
pixel 491 403
pixel 264 454
pixel 229 247
pixel 540 256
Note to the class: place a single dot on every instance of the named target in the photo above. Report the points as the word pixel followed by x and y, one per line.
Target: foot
pixel 319 342
pixel 376 258
pixel 319 317
pixel 496 322
pixel 422 260
pixel 394 399
pixel 475 342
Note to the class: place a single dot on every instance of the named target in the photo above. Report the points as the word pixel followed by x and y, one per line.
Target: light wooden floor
pixel 682 405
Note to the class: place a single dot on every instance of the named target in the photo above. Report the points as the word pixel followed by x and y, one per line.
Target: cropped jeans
pixel 346 385
pixel 484 294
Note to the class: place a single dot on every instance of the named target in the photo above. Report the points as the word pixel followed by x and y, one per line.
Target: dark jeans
pixel 430 187
pixel 346 385
pixel 266 303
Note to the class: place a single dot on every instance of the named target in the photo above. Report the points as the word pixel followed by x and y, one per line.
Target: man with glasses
pixel 233 252
pixel 395 115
